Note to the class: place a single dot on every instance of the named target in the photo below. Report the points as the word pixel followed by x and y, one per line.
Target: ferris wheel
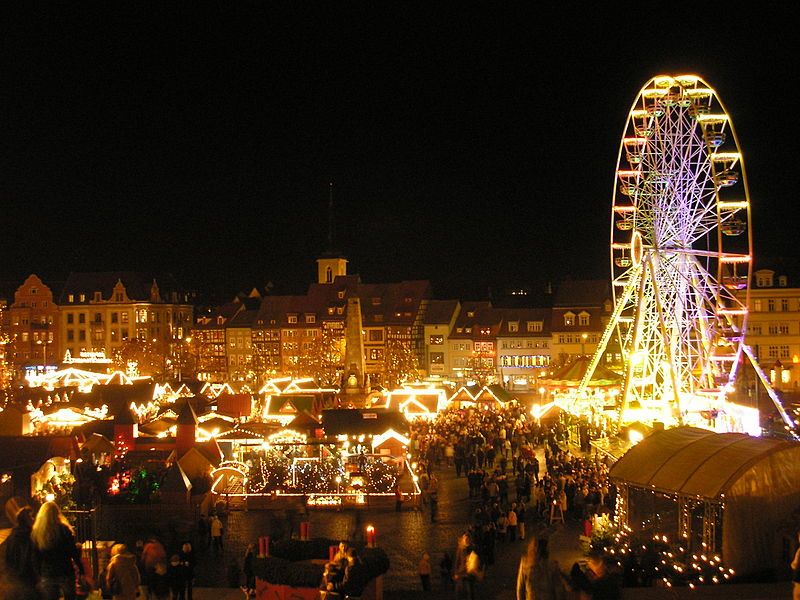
pixel 681 249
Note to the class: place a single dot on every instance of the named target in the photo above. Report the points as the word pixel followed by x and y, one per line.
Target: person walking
pixel 121 578
pixel 796 572
pixel 55 553
pixel 177 574
pixel 446 571
pixel 511 523
pixel 433 496
pixel 521 520
pixel 153 553
pixel 188 560
pixel 216 533
pixel 19 547
pixel 537 577
pixel 249 572
pixel 424 570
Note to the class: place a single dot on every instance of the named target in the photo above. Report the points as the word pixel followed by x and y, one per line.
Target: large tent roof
pixel 571 375
pixel 694 462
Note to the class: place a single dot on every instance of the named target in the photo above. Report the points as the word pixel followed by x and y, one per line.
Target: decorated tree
pixel 482 367
pixel 6 368
pixel 321 358
pixel 144 357
pixel 399 361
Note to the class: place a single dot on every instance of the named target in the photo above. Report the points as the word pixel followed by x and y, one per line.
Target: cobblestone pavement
pixel 404 536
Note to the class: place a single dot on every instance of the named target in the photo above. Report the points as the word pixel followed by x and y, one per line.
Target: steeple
pixel 331 263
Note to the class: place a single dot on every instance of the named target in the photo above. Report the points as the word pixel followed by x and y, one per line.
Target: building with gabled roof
pixel 439 320
pixel 773 326
pixel 102 311
pixel 33 340
pixel 523 346
pixel 581 311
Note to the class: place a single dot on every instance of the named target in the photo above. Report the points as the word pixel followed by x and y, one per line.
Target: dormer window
pixel 764 278
pixel 583 319
pixel 292 318
pixel 569 319
pixel 82 298
pixel 98 297
pixel 471 314
pixel 782 281
pixel 70 297
pixel 534 326
pixel 513 326
pixel 340 294
pixel 311 318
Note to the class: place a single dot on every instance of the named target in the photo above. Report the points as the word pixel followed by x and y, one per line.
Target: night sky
pixel 474 149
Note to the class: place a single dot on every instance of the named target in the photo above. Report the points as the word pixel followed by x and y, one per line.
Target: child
pixel 424 570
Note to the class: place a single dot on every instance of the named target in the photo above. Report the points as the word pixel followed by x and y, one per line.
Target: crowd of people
pixel 521 479
pixel 44 561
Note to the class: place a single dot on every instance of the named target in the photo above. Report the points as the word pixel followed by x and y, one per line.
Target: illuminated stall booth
pixel 487 396
pixel 602 388
pixel 350 456
pixel 722 494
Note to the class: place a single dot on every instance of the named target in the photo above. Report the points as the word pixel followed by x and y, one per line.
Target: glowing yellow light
pixel 712 118
pixel 733 205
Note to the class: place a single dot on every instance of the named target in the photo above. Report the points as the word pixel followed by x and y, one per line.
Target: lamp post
pixel 583 343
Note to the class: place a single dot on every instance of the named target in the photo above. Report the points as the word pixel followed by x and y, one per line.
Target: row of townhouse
pixel 773 327
pixel 93 312
pixel 477 341
pixel 256 337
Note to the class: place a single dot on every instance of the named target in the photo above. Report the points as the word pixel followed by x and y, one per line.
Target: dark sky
pixel 470 148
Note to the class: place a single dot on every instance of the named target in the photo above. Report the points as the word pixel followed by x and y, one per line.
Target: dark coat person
pixel 20 558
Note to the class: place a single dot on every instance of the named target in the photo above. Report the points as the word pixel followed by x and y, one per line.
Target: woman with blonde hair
pixel 56 553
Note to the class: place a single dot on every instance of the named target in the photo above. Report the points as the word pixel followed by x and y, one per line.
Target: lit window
pixel 513 326
pixel 311 318
pixel 583 319
pixel 569 319
pixel 292 318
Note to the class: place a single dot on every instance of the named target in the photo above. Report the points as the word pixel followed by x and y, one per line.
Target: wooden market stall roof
pixel 571 375
pixel 695 462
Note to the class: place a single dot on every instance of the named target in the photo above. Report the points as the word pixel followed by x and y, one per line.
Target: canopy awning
pixel 692 461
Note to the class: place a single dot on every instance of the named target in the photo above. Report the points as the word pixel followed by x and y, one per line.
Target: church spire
pixel 330 216
pixel 332 263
